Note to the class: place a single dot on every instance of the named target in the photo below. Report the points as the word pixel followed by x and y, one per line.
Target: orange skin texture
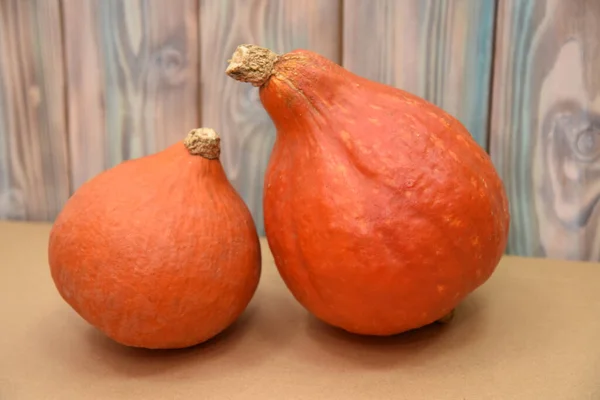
pixel 381 211
pixel 157 252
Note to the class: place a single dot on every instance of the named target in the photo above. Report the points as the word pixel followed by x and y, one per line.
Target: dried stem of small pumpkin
pixel 251 63
pixel 204 142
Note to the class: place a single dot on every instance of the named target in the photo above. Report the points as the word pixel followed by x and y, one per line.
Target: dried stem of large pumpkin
pixel 251 63
pixel 204 142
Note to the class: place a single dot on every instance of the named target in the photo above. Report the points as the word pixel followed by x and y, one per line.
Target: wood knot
pixel 170 64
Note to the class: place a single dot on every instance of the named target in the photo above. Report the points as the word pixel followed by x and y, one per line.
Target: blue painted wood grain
pixel 34 179
pixel 439 50
pixel 133 79
pixel 546 125
pixel 140 73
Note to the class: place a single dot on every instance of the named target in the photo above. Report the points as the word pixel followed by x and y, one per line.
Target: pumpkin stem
pixel 251 63
pixel 204 142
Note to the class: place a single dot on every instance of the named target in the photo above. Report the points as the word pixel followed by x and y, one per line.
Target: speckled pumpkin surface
pixel 160 251
pixel 381 211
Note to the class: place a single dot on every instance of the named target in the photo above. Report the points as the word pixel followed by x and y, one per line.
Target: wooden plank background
pixel 545 133
pixel 439 50
pixel 85 85
pixel 34 180
pixel 133 79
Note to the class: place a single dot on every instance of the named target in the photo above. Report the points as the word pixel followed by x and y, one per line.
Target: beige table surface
pixel 531 332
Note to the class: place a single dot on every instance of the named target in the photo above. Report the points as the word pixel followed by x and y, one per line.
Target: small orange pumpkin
pixel 158 251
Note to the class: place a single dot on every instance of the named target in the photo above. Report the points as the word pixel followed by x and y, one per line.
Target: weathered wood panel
pixel 546 125
pixel 440 50
pixel 133 79
pixel 34 180
pixel 233 108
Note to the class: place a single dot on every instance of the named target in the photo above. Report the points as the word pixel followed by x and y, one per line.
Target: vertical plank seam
pixel 65 89
pixel 341 27
pixel 488 133
pixel 199 119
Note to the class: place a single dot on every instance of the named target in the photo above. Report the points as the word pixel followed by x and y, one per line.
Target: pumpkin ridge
pixel 314 110
pixel 300 251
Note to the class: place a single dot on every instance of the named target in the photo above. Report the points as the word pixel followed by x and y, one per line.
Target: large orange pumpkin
pixel 381 211
pixel 158 251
